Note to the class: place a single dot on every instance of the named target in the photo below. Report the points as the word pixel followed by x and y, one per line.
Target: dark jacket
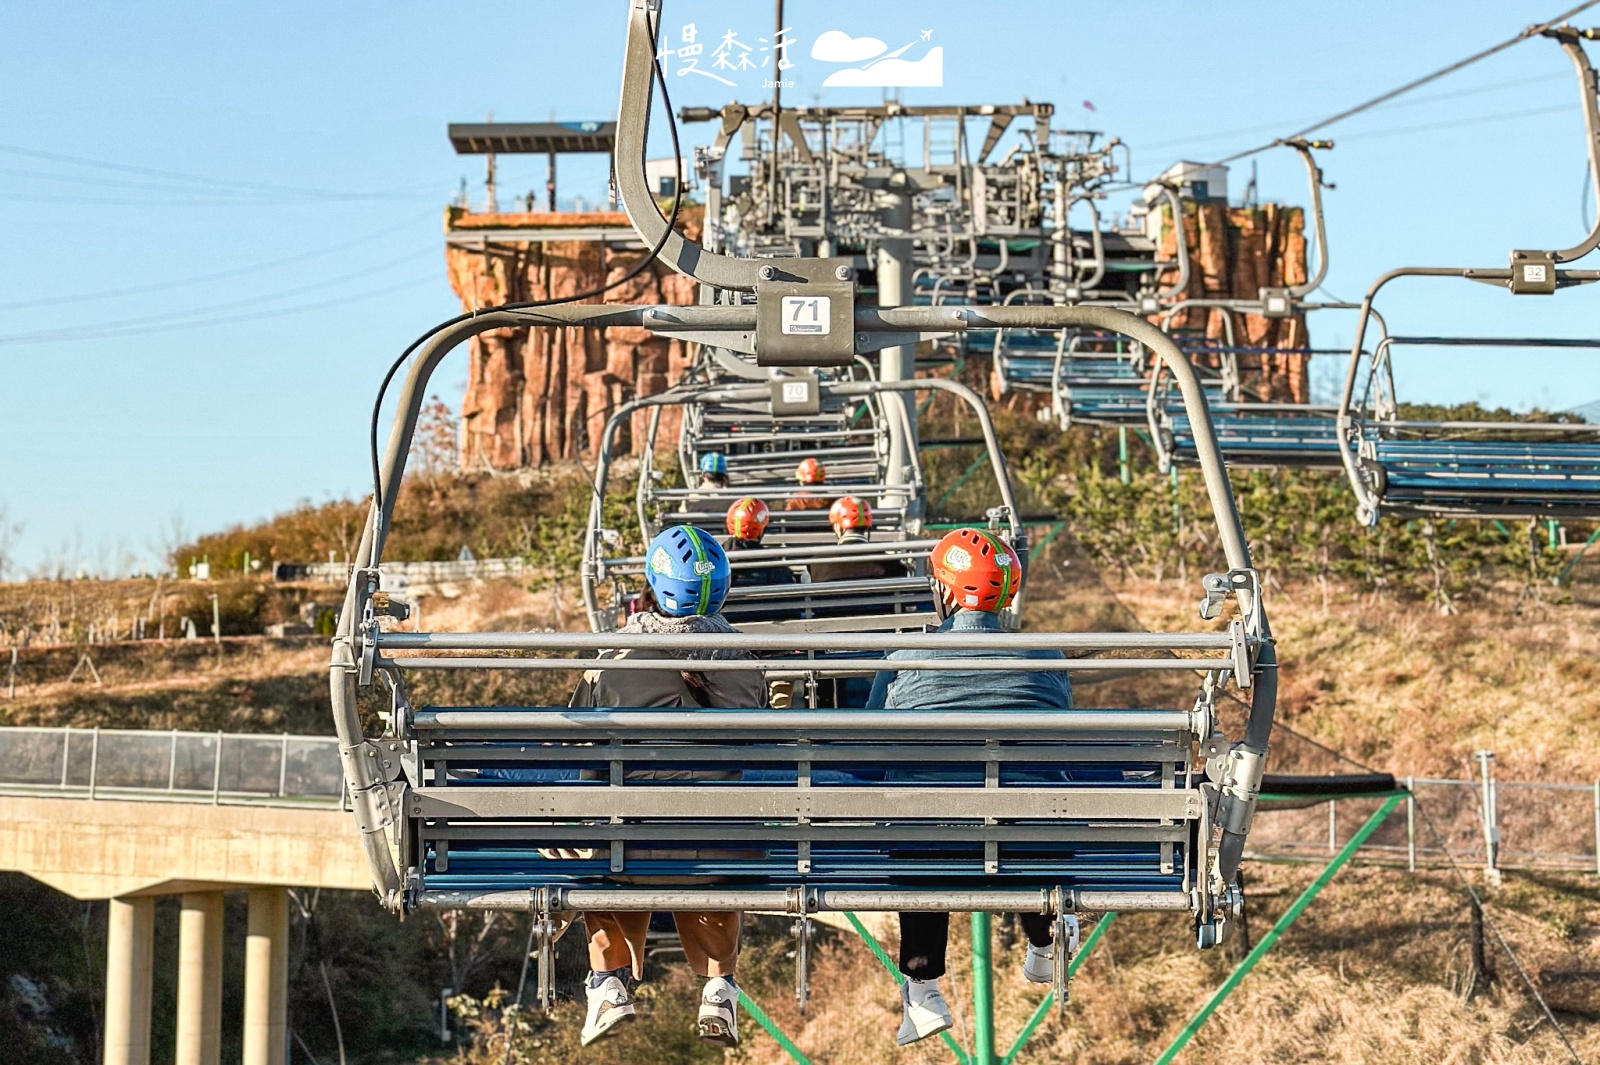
pixel 863 569
pixel 757 575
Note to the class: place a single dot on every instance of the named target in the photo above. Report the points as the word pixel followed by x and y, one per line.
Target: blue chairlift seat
pixel 1549 479
pixel 780 807
pixel 1271 438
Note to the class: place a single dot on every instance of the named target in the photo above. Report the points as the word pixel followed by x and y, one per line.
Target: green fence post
pixel 1050 998
pixel 1055 531
pixel 1565 573
pixel 760 1017
pixel 982 991
pixel 1289 917
pixel 977 464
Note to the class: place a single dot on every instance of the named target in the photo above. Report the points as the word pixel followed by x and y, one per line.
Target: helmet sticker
pixel 661 562
pixel 957 559
pixel 704 569
pixel 971 600
pixel 1002 558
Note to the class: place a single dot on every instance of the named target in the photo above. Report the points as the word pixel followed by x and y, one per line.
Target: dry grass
pixel 1393 683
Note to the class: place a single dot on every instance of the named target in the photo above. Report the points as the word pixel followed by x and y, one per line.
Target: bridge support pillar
pixel 130 937
pixel 200 979
pixel 266 977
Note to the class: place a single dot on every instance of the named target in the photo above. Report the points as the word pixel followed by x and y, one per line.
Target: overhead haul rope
pixel 1477 900
pixel 1531 31
pixel 632 272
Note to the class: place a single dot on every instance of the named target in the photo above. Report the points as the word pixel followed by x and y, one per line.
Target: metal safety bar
pixel 814 900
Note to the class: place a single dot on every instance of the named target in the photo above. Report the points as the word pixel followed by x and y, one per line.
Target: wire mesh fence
pixel 1486 822
pixel 181 766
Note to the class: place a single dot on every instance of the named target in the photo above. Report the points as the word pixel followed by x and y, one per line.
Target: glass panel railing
pixel 80 757
pixel 313 770
pixel 32 756
pixel 251 764
pixel 194 765
pixel 134 760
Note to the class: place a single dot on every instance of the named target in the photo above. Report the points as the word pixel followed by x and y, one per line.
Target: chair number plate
pixel 806 315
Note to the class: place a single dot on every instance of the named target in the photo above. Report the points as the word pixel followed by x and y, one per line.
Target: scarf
pixel 650 623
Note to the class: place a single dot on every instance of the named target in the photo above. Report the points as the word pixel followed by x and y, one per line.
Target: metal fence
pixel 408 572
pixel 214 767
pixel 1487 823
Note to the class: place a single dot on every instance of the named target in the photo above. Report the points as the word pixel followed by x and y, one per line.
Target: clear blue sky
pixel 293 153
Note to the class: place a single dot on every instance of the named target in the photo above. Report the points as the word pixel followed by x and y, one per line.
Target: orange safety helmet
pixel 849 514
pixel 747 519
pixel 810 471
pixel 977 569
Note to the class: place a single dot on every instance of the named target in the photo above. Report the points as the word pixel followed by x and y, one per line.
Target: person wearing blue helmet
pixel 687 578
pixel 713 470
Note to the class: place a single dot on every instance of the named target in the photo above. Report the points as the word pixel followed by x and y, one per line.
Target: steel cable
pixel 1351 112
pixel 632 272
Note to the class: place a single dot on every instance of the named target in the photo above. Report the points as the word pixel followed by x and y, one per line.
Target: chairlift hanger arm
pixel 1314 174
pixel 633 123
pixel 1571 40
pixel 1180 237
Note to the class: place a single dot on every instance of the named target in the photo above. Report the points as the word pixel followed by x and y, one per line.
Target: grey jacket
pixel 679 685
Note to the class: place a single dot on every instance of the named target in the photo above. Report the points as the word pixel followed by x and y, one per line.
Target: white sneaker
pixel 1040 965
pixel 719 1004
pixel 609 1005
pixel 924 1012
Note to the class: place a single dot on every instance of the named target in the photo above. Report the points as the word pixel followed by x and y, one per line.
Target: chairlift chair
pixel 810 809
pixel 1485 469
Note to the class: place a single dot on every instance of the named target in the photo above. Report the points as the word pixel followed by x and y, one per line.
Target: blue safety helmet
pixel 714 462
pixel 687 571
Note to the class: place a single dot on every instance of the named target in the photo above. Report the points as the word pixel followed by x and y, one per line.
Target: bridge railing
pixel 218 767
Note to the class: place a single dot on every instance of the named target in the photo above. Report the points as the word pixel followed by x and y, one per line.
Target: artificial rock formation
pixel 1234 252
pixel 538 396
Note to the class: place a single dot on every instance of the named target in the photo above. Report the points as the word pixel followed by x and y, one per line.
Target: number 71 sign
pixel 806 314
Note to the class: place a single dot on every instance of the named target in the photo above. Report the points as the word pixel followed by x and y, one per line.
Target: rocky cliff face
pixel 1234 252
pixel 540 396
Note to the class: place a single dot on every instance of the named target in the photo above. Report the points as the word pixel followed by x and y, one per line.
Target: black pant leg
pixel 1037 927
pixel 923 936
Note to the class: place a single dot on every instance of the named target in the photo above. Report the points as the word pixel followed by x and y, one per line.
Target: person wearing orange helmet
pixel 811 473
pixel 851 518
pixel 747 523
pixel 976 574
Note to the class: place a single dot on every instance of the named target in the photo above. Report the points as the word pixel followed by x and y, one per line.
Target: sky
pixel 220 222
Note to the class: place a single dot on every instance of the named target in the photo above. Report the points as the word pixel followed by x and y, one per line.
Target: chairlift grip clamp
pixel 367 580
pixel 540 904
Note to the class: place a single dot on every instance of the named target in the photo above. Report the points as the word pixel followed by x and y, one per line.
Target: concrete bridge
pixel 130 816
